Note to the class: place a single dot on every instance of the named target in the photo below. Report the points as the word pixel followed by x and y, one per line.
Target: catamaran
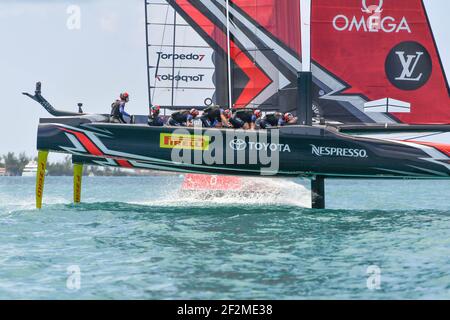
pixel 365 79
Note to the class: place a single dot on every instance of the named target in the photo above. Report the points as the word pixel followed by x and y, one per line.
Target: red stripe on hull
pixel 124 163
pixel 444 148
pixel 86 142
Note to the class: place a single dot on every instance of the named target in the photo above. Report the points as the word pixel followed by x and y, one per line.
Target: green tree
pixel 14 165
pixel 60 168
pixel 23 161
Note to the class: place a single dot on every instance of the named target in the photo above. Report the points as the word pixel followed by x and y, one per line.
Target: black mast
pixel 148 54
pixel 305 106
pixel 173 52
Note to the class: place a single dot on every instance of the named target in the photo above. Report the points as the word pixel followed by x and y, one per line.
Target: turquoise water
pixel 136 238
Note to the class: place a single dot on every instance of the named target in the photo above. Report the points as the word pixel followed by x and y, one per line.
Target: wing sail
pixel 363 53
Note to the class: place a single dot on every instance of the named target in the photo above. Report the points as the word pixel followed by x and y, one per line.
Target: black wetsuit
pixel 212 116
pixel 241 117
pixel 272 120
pixel 180 118
pixel 155 121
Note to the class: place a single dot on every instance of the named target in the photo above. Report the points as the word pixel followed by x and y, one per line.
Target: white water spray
pixel 254 191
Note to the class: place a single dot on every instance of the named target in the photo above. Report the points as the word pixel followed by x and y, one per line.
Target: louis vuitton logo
pixel 409 63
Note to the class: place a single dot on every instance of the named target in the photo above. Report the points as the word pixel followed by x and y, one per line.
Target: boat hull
pixel 288 151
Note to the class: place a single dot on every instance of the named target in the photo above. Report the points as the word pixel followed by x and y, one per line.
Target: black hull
pixel 289 151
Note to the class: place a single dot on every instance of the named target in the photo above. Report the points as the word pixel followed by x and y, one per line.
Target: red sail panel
pixel 281 18
pixel 383 49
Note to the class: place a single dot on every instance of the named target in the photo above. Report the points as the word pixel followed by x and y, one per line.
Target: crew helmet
pixel 125 96
pixel 257 113
pixel 288 117
pixel 194 112
pixel 228 113
pixel 155 109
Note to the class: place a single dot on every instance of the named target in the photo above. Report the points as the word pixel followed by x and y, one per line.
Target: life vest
pixel 181 116
pixel 245 115
pixel 273 118
pixel 213 113
pixel 115 109
pixel 155 121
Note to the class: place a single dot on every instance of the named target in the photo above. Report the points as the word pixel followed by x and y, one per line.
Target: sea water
pixel 138 238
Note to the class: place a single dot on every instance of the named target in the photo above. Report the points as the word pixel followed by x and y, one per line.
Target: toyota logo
pixel 238 145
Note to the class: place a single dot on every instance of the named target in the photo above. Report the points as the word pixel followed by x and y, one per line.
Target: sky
pixel 92 64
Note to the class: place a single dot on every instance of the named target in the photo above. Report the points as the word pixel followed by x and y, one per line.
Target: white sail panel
pixel 182 57
pixel 181 67
pixel 180 35
pixel 181 78
pixel 183 97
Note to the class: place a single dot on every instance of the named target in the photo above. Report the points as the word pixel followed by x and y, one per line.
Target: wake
pixel 255 191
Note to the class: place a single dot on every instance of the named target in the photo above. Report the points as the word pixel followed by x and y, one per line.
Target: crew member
pixel 288 119
pixel 183 118
pixel 277 119
pixel 118 109
pixel 216 117
pixel 245 119
pixel 154 119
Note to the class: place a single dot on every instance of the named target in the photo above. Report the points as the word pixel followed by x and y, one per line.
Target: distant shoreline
pixel 12 165
pixel 124 176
